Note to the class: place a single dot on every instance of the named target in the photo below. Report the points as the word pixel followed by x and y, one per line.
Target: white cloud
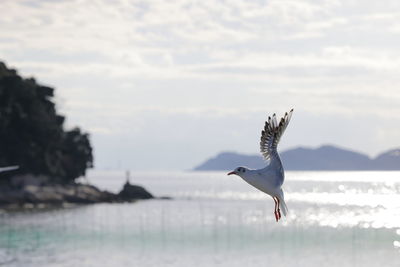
pixel 124 68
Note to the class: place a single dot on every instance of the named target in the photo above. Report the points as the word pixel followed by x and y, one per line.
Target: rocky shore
pixel 34 192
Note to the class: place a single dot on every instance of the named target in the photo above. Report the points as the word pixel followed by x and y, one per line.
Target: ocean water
pixel 335 219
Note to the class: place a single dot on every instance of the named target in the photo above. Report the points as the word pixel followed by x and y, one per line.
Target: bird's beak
pixel 231 173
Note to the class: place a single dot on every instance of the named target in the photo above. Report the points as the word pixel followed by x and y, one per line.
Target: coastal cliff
pixel 46 158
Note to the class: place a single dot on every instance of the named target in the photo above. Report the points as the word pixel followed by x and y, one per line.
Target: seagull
pixel 8 168
pixel 269 179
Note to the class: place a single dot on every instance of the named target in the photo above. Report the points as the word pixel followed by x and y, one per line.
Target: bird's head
pixel 240 171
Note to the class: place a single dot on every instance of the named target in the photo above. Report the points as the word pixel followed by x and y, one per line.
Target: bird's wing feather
pixel 272 133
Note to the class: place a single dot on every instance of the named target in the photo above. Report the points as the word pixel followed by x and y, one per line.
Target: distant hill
pixel 326 157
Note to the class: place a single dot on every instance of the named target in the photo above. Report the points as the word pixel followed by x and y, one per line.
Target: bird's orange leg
pixel 276 209
pixel 279 210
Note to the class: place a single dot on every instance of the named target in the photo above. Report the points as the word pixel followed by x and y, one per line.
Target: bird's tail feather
pixel 283 204
pixel 284 207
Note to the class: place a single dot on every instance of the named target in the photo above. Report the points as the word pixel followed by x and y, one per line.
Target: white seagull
pixel 269 179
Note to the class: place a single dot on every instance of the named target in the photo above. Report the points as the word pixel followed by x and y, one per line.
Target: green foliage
pixel 32 134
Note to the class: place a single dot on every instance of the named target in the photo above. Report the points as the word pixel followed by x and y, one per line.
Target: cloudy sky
pixel 166 84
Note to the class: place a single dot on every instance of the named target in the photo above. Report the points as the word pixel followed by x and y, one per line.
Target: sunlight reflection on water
pixel 214 220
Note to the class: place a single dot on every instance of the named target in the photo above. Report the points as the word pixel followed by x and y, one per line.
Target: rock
pixel 11 197
pixel 35 192
pixel 165 198
pixel 133 192
pixel 81 193
pixel 89 194
pixel 28 179
pixel 42 194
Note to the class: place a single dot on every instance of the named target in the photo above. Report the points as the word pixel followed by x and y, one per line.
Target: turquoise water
pixel 335 218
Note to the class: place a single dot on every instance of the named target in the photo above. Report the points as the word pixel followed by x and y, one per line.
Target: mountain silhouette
pixel 327 157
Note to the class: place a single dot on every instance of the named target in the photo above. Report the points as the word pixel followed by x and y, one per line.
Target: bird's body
pixel 269 179
pixel 266 180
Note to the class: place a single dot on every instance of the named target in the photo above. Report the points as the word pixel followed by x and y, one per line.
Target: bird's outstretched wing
pixel 272 133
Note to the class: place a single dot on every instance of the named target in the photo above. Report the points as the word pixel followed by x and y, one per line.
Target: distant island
pixel 327 157
pixel 49 157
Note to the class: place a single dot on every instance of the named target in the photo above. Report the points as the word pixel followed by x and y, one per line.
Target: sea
pixel 336 218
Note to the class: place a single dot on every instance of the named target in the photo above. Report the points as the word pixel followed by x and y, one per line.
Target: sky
pixel 164 85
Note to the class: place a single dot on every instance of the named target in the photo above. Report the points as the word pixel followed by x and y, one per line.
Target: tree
pixel 32 133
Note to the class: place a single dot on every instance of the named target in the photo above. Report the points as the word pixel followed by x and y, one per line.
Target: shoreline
pixel 38 196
